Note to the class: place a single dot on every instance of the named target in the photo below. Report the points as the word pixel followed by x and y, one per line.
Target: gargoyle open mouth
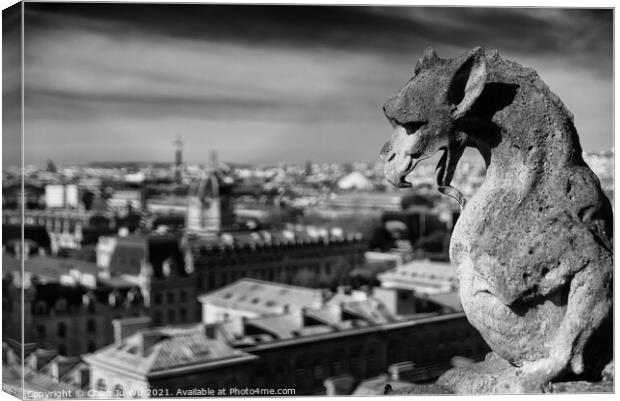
pixel 404 183
pixel 414 159
pixel 445 171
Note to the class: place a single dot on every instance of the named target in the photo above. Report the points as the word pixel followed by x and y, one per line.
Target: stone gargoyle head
pixel 426 115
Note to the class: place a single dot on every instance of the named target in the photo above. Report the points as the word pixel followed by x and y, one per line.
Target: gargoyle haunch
pixel 533 247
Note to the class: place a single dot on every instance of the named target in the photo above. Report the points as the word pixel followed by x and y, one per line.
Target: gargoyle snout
pixel 386 152
pixel 397 161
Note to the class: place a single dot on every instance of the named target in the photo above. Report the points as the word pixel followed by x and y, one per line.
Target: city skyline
pixel 117 82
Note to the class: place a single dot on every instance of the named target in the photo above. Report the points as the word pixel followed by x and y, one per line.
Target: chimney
pixel 148 339
pixel 124 327
pixel 41 357
pixel 211 331
pixel 401 371
pixel 339 385
pixel 299 314
pixel 240 324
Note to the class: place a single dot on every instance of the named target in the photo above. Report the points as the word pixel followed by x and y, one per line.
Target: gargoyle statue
pixel 533 247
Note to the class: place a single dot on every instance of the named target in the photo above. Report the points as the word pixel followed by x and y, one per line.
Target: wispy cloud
pixel 269 83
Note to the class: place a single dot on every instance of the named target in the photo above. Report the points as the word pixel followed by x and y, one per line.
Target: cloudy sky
pixel 262 84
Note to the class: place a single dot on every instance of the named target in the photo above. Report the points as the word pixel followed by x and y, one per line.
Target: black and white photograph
pixel 212 200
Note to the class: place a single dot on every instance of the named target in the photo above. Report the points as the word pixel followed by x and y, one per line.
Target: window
pixel 170 297
pixel 300 370
pixel 157 299
pixel 183 296
pixel 92 346
pixel 62 350
pixel 319 370
pixel 183 315
pixel 40 308
pixel 211 281
pixel 157 318
pixel 91 326
pixel 118 391
pixel 171 316
pixel 41 331
pixel 101 385
pixel 61 330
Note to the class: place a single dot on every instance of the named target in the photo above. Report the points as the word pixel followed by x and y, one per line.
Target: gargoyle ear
pixel 429 58
pixel 468 82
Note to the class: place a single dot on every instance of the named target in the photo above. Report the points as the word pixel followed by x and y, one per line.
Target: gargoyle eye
pixel 414 126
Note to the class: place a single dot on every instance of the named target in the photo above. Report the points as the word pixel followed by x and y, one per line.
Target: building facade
pixel 301 363
pixel 66 307
pixel 276 256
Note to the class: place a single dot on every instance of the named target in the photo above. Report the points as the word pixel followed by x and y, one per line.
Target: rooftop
pixel 376 385
pixel 294 235
pixel 163 349
pixel 47 268
pixel 422 276
pixel 263 297
pixel 115 282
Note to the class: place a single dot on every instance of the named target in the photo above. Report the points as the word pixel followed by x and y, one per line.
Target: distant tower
pixel 210 206
pixel 214 163
pixel 178 158
pixel 308 170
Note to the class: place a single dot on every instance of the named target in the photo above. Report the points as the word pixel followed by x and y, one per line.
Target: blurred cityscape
pixel 179 279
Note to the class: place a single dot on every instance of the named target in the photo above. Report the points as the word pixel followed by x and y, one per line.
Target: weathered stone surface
pixel 427 389
pixel 495 376
pixel 608 372
pixel 533 247
pixel 583 387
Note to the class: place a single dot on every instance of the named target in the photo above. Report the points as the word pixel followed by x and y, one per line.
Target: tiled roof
pixel 161 349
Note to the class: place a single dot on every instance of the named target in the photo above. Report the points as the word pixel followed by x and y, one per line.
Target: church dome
pixel 211 185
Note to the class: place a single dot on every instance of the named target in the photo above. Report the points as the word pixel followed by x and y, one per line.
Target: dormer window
pixel 166 268
pixel 40 308
pixel 61 330
pixel 113 298
pixel 61 305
